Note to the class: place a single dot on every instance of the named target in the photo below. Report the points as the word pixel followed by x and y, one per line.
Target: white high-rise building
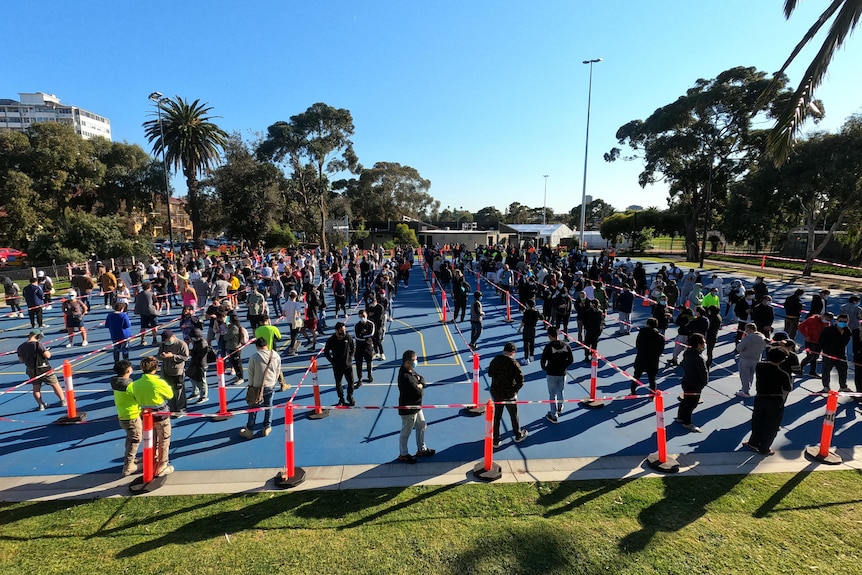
pixel 40 107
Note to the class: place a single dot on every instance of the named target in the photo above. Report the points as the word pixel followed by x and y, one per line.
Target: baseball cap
pixel 167 334
pixel 36 332
pixel 40 274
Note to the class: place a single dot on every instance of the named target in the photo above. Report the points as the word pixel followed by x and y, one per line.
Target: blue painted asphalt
pixel 31 445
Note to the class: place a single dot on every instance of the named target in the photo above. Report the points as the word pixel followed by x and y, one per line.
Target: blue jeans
pixel 556 385
pixel 267 414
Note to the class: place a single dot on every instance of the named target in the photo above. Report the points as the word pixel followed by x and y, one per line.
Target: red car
pixel 11 257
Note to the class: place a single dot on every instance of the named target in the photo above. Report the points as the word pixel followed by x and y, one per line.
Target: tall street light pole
pixel 545 204
pixel 586 149
pixel 158 99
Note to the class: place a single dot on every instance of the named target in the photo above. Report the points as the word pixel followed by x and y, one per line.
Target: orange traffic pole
pixel 659 460
pixel 291 476
pixel 592 402
pixel 319 412
pixel 487 470
pixel 223 413
pixel 823 454
pixel 72 414
pixel 149 452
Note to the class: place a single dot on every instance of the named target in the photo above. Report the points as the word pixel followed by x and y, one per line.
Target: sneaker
pixel 743 394
pixel 165 470
pixel 497 444
pixel 351 402
pixel 692 427
pixel 340 403
pixel 844 390
pixel 522 435
pixel 130 470
pixel 266 431
pixel 68 345
pixel 370 379
pixel 202 399
pixel 246 434
pixel 382 357
pixel 825 390
pixel 375 356
pixel 239 382
pixel 42 406
pixel 407 459
pixel 357 385
pixel 193 395
pixel 552 418
pixel 426 452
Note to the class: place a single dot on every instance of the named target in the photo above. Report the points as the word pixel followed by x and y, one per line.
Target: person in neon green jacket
pixel 128 412
pixel 153 392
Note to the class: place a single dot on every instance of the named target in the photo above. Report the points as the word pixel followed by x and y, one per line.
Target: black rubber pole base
pixel 479 472
pixel 830 458
pixel 670 465
pixel 65 420
pixel 288 482
pixel 137 487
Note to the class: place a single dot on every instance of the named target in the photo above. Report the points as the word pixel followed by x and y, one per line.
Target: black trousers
pixel 347 374
pixel 765 421
pixel 689 401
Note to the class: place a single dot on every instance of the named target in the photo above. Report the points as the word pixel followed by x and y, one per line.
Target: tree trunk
pixel 322 225
pixel 692 249
pixel 194 208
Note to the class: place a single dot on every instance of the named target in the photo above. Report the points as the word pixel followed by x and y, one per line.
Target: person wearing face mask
pixel 364 353
pixel 662 314
pixel 811 329
pixel 761 290
pixel 411 388
pixel 340 350
pixel 695 376
pixel 744 310
pixel 833 347
pixel 763 316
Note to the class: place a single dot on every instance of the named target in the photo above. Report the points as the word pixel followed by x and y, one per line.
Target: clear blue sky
pixel 482 97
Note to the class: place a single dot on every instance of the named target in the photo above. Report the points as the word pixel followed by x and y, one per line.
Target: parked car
pixel 12 257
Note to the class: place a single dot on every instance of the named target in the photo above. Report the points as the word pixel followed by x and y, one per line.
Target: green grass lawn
pixel 782 523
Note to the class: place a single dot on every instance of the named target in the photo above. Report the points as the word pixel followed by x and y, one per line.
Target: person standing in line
pixel 528 329
pixel 75 310
pixel 750 349
pixel 625 305
pixel 173 353
pixel 13 297
pixel 811 329
pixel 340 350
pixel 477 315
pixel 792 313
pixel 272 335
pixel 264 366
pixel 411 388
pixel 235 338
pixel 744 310
pixel 153 392
pixel 460 291
pixel 833 347
pixel 120 329
pixel 47 285
pixel 364 345
pixel 773 383
pixel 695 376
pixel 506 380
pixel 377 316
pixel 34 355
pixel 650 347
pixel 556 359
pixel 712 332
pixel 593 320
pixel 198 363
pixel 145 307
pixel 819 302
pixel 256 306
pixel 128 414
pixel 851 310
pixel 35 299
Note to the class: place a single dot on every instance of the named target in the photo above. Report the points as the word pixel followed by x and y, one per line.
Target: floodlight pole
pixel 586 150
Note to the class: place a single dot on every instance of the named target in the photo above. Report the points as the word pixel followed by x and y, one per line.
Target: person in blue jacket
pixel 120 327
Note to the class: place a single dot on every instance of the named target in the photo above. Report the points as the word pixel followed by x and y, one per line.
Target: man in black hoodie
pixel 506 379
pixel 340 350
pixel 556 358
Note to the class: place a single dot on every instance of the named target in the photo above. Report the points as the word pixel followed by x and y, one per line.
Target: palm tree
pixel 192 142
pixel 844 15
